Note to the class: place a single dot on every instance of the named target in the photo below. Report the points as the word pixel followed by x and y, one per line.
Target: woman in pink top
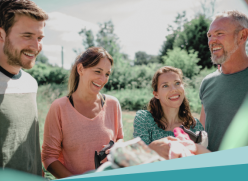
pixel 83 122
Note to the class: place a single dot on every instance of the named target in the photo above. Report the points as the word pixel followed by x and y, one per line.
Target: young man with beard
pixel 21 31
pixel 223 91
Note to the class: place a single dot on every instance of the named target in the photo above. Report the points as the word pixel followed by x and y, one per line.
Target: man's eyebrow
pixel 27 33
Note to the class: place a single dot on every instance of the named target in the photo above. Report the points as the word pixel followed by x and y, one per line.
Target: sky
pixel 141 25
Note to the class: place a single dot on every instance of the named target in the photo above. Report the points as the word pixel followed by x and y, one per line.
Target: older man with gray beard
pixel 223 91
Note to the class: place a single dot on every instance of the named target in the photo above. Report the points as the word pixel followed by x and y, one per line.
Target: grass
pixel 127 119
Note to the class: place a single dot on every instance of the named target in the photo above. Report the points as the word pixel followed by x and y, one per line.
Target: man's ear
pixel 2 35
pixel 80 69
pixel 155 94
pixel 243 34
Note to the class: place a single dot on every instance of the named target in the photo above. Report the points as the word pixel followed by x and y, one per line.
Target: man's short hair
pixel 10 8
pixel 238 17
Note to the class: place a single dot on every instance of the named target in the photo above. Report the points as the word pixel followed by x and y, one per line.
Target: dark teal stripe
pixel 233 172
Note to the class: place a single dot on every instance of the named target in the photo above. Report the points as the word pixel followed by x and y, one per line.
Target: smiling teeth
pixel 174 97
pixel 214 49
pixel 28 54
pixel 96 84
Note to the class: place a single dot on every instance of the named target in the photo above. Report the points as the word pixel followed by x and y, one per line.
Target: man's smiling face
pixel 23 43
pixel 222 39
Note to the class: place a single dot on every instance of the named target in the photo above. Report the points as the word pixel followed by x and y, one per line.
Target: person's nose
pixel 36 45
pixel 104 78
pixel 211 40
pixel 173 88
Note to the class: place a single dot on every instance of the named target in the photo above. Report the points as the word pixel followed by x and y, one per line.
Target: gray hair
pixel 238 17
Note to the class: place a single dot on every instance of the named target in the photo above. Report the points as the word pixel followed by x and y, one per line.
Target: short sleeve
pixel 51 147
pixel 141 128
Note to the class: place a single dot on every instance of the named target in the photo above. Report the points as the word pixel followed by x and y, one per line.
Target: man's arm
pixel 203 117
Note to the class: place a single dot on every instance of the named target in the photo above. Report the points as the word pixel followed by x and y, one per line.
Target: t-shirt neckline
pixel 90 119
pixel 10 75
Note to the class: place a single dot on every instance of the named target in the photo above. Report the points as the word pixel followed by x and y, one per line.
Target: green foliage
pixel 88 40
pixel 45 74
pixel 132 99
pixel 194 100
pixel 192 89
pixel 41 58
pixel 107 39
pixel 126 76
pixel 143 58
pixel 194 37
pixel 189 36
pixel 169 42
pixel 181 59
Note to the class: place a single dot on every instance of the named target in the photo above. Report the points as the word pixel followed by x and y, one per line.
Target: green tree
pixel 48 74
pixel 194 37
pixel 88 38
pixel 183 60
pixel 143 58
pixel 168 44
pixel 107 39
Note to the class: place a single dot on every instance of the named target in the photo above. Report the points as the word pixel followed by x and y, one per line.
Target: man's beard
pixel 14 57
pixel 226 55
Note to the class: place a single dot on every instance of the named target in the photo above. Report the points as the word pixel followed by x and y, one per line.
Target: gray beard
pixel 226 55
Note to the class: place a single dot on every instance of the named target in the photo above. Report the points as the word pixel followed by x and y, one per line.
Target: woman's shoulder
pixel 111 99
pixel 198 126
pixel 60 102
pixel 144 115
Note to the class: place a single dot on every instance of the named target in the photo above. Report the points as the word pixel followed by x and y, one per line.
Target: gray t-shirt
pixel 19 127
pixel 221 96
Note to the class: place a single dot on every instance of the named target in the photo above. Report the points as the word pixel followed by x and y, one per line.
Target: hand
pixel 178 150
pixel 201 149
pixel 162 146
pixel 193 147
pixel 106 152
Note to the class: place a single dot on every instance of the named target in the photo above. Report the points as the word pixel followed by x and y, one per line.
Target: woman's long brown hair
pixel 155 108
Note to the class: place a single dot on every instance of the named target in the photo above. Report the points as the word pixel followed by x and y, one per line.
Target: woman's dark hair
pixel 155 108
pixel 89 58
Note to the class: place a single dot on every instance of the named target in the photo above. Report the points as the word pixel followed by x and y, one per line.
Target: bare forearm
pixel 161 147
pixel 201 149
pixel 58 170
